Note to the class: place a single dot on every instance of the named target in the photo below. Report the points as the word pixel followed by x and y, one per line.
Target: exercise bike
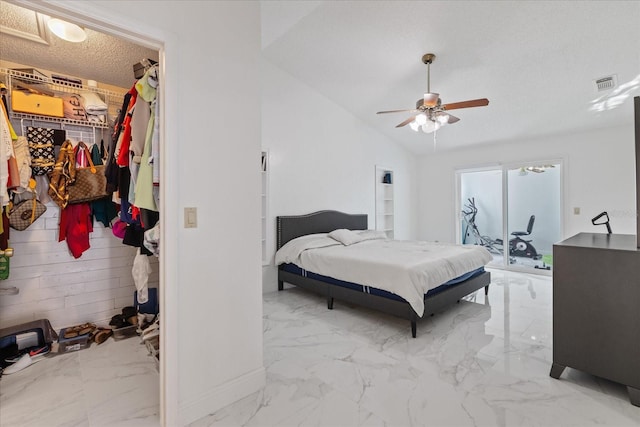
pixel 518 247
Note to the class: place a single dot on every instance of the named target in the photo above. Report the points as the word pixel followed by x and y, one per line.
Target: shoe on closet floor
pixel 24 362
pixel 100 335
pixel 75 331
pixel 118 321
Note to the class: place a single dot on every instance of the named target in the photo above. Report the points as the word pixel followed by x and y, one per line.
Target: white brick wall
pixel 53 285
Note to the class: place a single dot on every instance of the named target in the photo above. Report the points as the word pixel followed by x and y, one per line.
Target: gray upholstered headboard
pixel 290 227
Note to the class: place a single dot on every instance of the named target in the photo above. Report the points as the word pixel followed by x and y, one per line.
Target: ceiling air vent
pixel 605 83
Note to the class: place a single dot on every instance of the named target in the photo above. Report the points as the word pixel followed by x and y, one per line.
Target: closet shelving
pixel 384 200
pixel 12 77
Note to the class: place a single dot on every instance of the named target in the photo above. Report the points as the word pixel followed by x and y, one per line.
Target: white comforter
pixel 406 268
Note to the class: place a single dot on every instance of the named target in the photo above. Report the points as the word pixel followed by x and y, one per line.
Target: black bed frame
pixel 290 227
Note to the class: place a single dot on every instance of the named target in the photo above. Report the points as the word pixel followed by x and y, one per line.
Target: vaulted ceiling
pixel 536 61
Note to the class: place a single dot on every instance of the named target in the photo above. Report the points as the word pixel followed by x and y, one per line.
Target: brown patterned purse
pixel 25 212
pixel 90 183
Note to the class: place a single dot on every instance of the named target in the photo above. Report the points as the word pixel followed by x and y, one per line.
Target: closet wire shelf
pixel 111 98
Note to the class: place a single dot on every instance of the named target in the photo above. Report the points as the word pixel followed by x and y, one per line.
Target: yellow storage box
pixel 32 103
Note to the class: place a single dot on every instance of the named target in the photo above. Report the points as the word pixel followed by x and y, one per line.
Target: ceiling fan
pixel 430 112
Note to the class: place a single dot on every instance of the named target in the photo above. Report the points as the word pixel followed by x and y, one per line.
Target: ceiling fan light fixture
pixel 430 114
pixel 431 99
pixel 66 30
pixel 442 118
pixel 430 126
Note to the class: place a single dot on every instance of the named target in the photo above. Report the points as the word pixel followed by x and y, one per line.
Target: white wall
pixel 322 157
pixel 219 282
pixel 599 174
pixel 212 335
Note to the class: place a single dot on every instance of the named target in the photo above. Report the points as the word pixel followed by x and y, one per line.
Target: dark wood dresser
pixel 596 308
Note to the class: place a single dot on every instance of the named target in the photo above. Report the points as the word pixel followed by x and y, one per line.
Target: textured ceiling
pixel 101 57
pixel 535 61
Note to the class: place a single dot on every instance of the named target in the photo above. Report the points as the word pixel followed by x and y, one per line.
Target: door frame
pixel 123 26
pixel 504 168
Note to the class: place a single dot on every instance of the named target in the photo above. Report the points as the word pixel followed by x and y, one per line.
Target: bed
pixel 313 226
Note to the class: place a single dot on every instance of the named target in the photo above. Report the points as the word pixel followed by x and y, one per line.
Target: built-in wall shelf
pixel 384 182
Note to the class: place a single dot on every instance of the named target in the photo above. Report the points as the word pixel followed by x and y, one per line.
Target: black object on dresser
pixel 596 308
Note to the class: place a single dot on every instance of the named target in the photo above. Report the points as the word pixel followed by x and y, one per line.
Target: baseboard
pixel 269 279
pixel 221 396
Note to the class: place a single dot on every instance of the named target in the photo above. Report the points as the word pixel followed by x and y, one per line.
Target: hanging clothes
pixel 23 160
pixel 155 144
pixel 152 240
pixel 4 229
pixel 75 219
pixel 144 190
pixel 111 165
pixel 75 226
pixel 103 210
pixel 124 142
pixel 139 119
pixel 7 135
pixel 139 126
pixel 134 233
pixel 140 272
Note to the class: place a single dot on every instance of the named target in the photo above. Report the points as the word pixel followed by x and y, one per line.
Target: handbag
pixel 26 208
pixel 63 173
pixel 25 213
pixel 90 183
pixel 41 149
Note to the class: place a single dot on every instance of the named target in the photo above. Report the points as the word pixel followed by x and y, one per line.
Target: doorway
pixel 514 211
pixel 117 26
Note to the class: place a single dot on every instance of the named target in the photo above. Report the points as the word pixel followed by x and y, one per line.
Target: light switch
pixel 576 211
pixel 190 217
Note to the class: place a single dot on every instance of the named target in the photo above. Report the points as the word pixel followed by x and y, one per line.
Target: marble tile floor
pixel 112 384
pixel 483 362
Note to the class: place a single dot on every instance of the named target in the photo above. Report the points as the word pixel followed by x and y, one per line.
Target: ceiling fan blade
pixel 397 111
pixel 406 122
pixel 452 119
pixel 466 104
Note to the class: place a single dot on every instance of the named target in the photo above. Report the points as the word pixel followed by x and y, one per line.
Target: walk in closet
pixel 75 266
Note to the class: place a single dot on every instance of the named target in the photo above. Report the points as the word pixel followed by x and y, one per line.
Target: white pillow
pixel 346 237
